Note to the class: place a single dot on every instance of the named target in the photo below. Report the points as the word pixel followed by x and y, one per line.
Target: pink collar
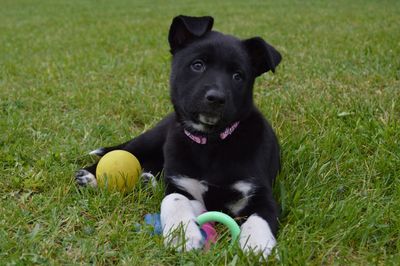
pixel 203 140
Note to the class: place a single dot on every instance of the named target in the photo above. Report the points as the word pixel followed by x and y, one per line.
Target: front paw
pixel 184 237
pixel 256 236
pixel 178 219
pixel 85 178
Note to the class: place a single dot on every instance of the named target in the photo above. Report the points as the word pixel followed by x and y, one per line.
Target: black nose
pixel 215 97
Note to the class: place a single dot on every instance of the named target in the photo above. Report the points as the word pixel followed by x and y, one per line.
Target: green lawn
pixel 77 75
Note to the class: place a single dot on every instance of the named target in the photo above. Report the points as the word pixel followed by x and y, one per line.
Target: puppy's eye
pixel 237 76
pixel 198 66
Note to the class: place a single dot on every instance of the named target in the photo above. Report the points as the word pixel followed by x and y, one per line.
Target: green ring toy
pixel 221 218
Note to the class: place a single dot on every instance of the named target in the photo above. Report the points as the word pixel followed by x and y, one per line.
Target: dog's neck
pixel 203 140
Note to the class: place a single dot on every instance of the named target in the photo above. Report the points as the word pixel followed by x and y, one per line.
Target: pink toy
pixel 210 234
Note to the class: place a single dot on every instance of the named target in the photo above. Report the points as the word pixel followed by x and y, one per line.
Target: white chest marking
pixel 246 189
pixel 193 186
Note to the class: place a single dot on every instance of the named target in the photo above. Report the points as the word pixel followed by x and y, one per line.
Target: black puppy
pixel 217 151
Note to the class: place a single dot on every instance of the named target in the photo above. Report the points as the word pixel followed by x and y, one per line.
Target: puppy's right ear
pixel 185 29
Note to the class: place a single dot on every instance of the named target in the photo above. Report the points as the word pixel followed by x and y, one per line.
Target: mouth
pixel 208 120
pixel 204 123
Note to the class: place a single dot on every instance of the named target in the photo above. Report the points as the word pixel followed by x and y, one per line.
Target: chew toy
pixel 118 170
pixel 206 223
pixel 221 218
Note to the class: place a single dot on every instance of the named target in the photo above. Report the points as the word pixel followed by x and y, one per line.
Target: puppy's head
pixel 213 74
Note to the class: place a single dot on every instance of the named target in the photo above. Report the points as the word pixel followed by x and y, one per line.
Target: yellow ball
pixel 118 170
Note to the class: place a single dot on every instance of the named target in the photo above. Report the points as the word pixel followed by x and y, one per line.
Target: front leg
pixel 178 215
pixel 147 147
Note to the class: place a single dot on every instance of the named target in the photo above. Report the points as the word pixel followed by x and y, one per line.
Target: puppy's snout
pixel 215 97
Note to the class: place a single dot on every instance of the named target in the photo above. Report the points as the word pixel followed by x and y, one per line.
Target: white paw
pixel 256 236
pixel 184 237
pixel 197 207
pixel 85 178
pixel 178 220
pixel 148 177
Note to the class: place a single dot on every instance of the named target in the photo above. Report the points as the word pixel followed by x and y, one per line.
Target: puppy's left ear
pixel 263 56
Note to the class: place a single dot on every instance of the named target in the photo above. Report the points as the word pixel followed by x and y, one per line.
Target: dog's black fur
pixel 213 75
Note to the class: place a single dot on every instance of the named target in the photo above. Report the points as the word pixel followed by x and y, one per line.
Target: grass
pixel 77 75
